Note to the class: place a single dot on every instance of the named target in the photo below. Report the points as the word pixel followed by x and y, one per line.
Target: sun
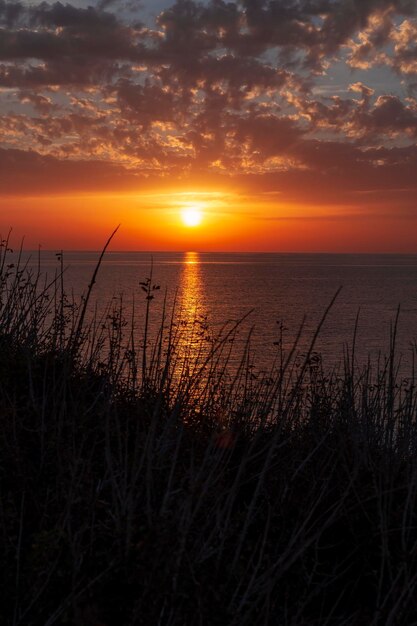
pixel 191 216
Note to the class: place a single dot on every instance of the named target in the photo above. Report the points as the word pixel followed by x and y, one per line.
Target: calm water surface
pixel 274 287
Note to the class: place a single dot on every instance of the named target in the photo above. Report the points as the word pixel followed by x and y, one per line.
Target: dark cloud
pixel 68 16
pixel 19 14
pixel 336 174
pixel 35 173
pixel 11 13
pixel 266 135
pixel 48 45
pixel 388 115
pixel 42 104
pixel 190 25
pixel 370 118
pixel 68 71
pixel 62 45
pixel 145 103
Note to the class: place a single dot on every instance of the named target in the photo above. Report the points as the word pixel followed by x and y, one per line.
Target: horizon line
pixel 314 252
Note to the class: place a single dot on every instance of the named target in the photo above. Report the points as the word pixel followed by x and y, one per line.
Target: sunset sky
pixel 284 125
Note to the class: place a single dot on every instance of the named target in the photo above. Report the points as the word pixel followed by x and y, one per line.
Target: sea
pixel 271 295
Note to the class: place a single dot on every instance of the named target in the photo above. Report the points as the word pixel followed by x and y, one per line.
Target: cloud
pixel 26 171
pixel 59 44
pixel 335 175
pixel 145 103
pixel 266 136
pixel 404 38
pixel 389 115
pixel 216 88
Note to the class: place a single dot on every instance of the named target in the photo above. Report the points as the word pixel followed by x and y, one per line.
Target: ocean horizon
pixel 276 293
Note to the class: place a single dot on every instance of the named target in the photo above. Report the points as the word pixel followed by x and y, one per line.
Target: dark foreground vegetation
pixel 144 484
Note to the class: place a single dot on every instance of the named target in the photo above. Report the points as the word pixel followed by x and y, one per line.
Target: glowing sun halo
pixel 191 216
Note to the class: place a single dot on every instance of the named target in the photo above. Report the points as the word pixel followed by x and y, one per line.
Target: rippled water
pixel 274 287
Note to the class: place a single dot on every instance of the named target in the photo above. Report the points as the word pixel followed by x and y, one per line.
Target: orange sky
pixel 229 221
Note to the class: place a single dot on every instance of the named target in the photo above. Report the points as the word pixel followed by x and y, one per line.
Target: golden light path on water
pixel 203 340
pixel 191 310
pixel 191 288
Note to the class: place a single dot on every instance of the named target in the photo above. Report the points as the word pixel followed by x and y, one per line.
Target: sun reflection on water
pixel 192 311
pixel 191 290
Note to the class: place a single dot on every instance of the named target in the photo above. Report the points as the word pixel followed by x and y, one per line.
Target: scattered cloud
pixel 96 96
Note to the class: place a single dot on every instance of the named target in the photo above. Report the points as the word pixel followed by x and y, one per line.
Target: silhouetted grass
pixel 142 486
